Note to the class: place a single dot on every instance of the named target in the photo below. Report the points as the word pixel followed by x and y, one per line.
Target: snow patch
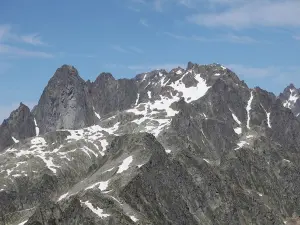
pixel 238 130
pixel 286 160
pixel 168 151
pixel 206 160
pixel 15 140
pixel 191 93
pixel 49 163
pixel 125 164
pixel 149 94
pixel 22 223
pixel 133 218
pixel 63 196
pixel 102 185
pixel 97 211
pixel 178 72
pixel 104 144
pixel 292 99
pixel 241 144
pixel 260 194
pixel 17 175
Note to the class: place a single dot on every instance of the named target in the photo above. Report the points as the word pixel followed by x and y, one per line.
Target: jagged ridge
pixel 226 154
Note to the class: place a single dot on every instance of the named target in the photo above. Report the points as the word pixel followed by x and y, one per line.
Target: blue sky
pixel 258 39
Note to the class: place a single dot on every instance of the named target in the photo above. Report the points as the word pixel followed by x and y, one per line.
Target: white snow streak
pixel 235 118
pixel 144 78
pixel 37 129
pixel 241 144
pixel 248 110
pixel 237 130
pixel 137 99
pixel 63 196
pixel 15 140
pixel 96 114
pixel 97 211
pixel 286 160
pixel 268 116
pixel 22 223
pixel 149 94
pixel 102 185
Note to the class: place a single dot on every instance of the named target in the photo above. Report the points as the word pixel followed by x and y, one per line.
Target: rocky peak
pixel 18 126
pixel 290 99
pixel 190 65
pixel 109 95
pixel 104 78
pixel 67 70
pixel 64 75
pixel 64 103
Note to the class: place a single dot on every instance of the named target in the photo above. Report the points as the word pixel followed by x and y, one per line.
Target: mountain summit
pixel 290 98
pixel 188 146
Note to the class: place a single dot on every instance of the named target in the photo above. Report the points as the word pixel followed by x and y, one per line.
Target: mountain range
pixel 189 146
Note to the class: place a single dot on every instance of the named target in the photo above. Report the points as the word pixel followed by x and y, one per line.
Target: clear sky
pixel 258 39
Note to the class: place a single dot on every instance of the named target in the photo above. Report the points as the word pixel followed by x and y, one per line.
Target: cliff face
pixel 64 103
pixel 18 126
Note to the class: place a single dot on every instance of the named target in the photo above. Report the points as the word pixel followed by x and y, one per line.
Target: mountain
pixel 291 99
pixel 19 125
pixel 188 146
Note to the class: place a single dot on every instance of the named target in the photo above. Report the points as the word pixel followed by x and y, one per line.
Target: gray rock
pixel 18 126
pixel 110 95
pixel 64 103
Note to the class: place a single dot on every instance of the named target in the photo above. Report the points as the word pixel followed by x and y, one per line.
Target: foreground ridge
pixel 188 146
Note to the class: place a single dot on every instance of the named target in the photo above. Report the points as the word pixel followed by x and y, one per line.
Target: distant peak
pixel 70 67
pixel 104 77
pixel 23 105
pixel 291 86
pixel 67 69
pixel 65 73
pixel 190 65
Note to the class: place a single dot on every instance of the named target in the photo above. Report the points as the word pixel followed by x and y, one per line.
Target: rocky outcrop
pixel 18 126
pixel 64 103
pixel 290 98
pixel 110 95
